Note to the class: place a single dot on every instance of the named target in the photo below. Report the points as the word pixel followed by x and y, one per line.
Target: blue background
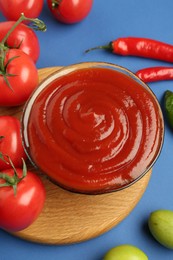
pixel 65 44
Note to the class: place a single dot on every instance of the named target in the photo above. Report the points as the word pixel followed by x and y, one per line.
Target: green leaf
pixel 168 103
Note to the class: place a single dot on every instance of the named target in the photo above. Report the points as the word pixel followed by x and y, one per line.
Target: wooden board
pixel 68 217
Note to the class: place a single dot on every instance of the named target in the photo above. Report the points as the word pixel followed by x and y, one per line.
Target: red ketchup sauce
pixel 93 130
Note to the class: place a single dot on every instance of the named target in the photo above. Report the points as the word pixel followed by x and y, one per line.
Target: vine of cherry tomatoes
pixel 23 37
pixel 18 72
pixel 22 193
pixel 22 197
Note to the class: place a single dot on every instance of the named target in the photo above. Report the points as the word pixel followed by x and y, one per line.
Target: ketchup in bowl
pixel 93 128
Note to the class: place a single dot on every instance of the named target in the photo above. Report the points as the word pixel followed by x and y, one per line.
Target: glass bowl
pixel 93 128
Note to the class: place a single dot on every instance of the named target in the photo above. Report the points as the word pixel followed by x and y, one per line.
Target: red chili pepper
pixel 155 74
pixel 142 47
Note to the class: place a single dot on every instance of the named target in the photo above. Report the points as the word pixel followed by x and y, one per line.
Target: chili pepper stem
pixel 102 47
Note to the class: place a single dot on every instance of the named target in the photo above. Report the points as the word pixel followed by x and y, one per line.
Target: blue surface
pixel 65 44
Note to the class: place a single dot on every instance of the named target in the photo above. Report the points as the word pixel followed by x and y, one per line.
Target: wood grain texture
pixel 69 217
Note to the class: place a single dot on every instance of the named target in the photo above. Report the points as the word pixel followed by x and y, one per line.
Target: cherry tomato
pixel 20 210
pixel 70 11
pixel 22 76
pixel 11 141
pixel 22 37
pixel 12 9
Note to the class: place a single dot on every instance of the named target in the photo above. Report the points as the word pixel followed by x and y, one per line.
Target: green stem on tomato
pixel 56 3
pixel 9 180
pixel 3 68
pixel 12 181
pixel 37 24
pixel 2 57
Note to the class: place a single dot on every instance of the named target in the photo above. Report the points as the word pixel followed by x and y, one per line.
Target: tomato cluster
pixel 19 45
pixel 19 50
pixel 22 193
pixel 66 11
pixel 22 37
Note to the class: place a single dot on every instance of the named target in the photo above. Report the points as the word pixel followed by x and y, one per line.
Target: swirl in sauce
pixel 94 130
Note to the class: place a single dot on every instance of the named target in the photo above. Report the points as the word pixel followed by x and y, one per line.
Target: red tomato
pixel 11 141
pixel 22 36
pixel 70 11
pixel 22 75
pixel 21 210
pixel 12 9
